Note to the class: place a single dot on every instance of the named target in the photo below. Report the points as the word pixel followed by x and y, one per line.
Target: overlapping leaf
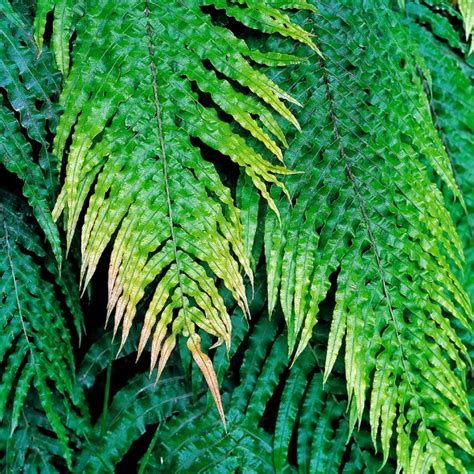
pixel 65 13
pixel 452 104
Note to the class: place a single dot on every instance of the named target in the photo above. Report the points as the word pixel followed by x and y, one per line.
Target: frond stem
pixel 373 242
pixel 151 50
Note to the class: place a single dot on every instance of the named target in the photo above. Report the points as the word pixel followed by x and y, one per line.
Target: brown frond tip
pixel 205 366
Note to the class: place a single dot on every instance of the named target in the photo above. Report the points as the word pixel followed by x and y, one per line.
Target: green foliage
pixel 132 104
pixel 36 350
pixel 30 84
pixel 452 104
pixel 382 238
pixel 65 13
pixel 308 413
pixel 467 10
pixel 451 95
pixel 342 297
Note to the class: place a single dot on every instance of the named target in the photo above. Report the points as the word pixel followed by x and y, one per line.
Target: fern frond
pixel 451 95
pixel 149 86
pixel 27 114
pixel 366 214
pixel 35 345
pixel 452 105
pixel 467 10
pixel 65 13
pixel 296 401
pixel 33 444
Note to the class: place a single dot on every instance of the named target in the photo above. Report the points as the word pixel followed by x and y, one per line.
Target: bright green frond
pixel 452 106
pixel 151 86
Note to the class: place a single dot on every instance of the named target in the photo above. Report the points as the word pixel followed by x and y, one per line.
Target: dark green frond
pixel 311 430
pixel 35 346
pixel 366 214
pixel 27 115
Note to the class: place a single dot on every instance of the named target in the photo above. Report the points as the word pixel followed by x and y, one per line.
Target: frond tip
pixel 205 365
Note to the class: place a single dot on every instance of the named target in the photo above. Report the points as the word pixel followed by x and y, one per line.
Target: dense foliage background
pixel 375 110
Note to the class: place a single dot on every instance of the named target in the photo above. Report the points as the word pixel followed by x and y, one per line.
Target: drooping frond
pixel 451 94
pixel 151 83
pixel 35 345
pixel 366 215
pixel 27 115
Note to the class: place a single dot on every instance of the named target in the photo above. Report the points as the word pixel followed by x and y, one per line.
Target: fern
pixel 313 415
pixel 362 241
pixel 65 14
pixel 451 102
pixel 133 124
pixel 467 11
pixel 382 238
pixel 37 394
pixel 30 85
pixel 134 406
pixel 36 349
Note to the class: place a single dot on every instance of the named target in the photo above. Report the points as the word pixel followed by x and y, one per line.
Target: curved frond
pixel 366 214
pixel 151 84
pixel 451 94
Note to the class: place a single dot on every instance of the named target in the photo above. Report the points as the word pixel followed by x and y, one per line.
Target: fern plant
pixel 285 184
pixel 133 124
pixel 378 236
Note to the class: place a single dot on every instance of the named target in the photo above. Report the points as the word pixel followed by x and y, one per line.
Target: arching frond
pixel 65 14
pixel 151 83
pixel 366 214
